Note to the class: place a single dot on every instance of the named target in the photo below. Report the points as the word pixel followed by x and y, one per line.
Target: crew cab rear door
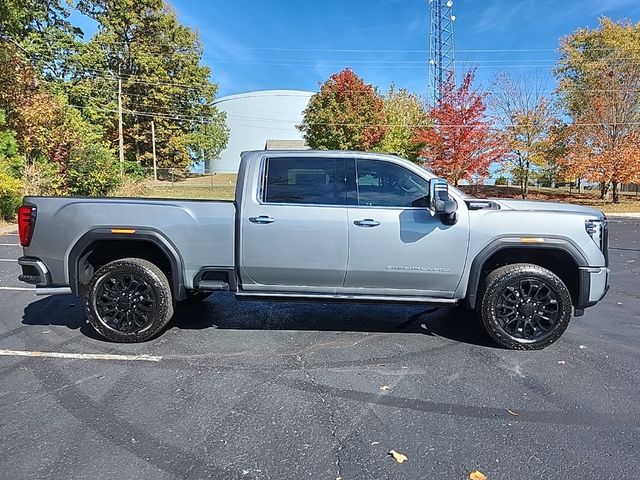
pixel 294 233
pixel 397 245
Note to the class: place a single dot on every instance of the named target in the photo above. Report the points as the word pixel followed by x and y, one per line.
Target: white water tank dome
pixel 254 118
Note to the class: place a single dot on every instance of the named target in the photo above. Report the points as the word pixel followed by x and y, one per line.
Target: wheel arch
pixel 123 242
pixel 556 254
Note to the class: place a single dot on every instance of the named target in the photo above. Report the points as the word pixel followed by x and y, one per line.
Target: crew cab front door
pixel 397 246
pixel 294 234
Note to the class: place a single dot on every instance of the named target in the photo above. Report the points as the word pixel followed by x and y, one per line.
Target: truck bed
pixel 202 231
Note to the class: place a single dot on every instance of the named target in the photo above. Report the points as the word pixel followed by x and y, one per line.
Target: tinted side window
pixel 384 184
pixel 302 180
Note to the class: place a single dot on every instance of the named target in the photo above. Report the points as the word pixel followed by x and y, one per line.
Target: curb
pixel 8 229
pixel 623 215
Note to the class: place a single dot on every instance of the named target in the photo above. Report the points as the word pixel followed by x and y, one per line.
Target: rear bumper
pixel 594 284
pixel 35 272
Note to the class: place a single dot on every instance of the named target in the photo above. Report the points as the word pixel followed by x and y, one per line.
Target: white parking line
pixel 9 244
pixel 8 260
pixel 19 289
pixel 82 356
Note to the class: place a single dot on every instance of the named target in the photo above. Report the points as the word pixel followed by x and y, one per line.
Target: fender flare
pixel 550 243
pixel 140 235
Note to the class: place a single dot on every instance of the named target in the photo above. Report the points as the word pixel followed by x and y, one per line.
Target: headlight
pixel 597 231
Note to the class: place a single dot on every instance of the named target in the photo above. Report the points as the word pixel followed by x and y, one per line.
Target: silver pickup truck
pixel 321 226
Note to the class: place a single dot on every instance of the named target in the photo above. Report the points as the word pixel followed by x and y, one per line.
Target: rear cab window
pixel 304 180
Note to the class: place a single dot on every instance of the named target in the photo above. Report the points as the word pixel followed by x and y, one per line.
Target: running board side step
pixel 213 285
pixel 292 297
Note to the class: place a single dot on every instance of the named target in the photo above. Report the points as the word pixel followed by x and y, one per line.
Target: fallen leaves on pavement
pixel 398 457
pixel 477 475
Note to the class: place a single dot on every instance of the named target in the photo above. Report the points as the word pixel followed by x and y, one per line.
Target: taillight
pixel 26 221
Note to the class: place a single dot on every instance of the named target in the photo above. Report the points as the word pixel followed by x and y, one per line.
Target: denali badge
pixel 403 268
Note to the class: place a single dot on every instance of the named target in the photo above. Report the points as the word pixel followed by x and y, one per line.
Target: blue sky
pixel 236 32
pixel 256 45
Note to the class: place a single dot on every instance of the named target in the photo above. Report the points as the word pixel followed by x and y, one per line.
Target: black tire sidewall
pixel 498 280
pixel 154 277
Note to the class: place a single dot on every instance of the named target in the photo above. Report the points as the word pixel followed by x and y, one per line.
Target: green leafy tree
pixel 10 185
pixel 405 113
pixel 93 171
pixel 43 32
pixel 158 60
pixel 346 114
pixel 10 160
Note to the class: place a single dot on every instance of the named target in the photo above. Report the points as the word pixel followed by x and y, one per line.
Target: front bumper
pixel 594 284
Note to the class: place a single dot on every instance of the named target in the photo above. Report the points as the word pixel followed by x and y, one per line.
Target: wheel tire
pixel 128 300
pixel 195 296
pixel 524 306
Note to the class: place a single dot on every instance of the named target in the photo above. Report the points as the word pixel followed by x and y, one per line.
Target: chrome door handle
pixel 261 219
pixel 367 222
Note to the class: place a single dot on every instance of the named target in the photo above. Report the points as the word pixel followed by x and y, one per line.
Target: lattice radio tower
pixel 441 46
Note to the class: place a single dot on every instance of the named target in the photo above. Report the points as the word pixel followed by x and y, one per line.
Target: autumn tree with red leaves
pixel 462 142
pixel 346 114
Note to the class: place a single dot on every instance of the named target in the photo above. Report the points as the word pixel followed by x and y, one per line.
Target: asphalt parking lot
pixel 286 391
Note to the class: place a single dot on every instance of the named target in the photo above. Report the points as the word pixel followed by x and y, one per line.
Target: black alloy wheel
pixel 125 302
pixel 524 306
pixel 128 300
pixel 527 309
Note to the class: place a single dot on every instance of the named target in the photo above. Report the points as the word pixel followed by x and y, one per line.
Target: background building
pixel 255 118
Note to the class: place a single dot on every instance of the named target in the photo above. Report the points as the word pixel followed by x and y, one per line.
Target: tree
pixel 10 186
pixel 599 84
pixel 158 60
pixel 405 113
pixel 462 142
pixel 522 106
pixel 43 32
pixel 600 152
pixel 346 114
pixel 10 160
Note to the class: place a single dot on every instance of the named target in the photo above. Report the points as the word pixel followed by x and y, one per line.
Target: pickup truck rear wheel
pixel 128 300
pixel 524 306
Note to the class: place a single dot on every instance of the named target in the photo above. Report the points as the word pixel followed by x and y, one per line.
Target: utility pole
pixel 153 149
pixel 120 135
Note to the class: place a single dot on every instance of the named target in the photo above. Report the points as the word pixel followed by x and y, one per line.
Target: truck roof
pixel 312 153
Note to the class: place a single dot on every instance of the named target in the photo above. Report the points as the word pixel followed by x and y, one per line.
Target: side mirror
pixel 440 202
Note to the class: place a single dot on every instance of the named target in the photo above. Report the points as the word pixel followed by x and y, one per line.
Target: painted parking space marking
pixel 9 244
pixel 82 356
pixel 8 260
pixel 18 289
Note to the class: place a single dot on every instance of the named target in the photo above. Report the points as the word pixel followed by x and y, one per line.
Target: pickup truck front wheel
pixel 524 306
pixel 128 300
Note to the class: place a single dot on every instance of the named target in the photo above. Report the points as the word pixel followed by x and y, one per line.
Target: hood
pixel 533 205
